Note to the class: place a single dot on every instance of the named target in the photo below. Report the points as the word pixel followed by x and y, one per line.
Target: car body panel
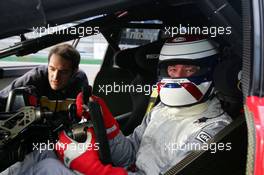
pixel 256 107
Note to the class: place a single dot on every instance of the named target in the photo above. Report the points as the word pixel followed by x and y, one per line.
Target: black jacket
pixel 38 77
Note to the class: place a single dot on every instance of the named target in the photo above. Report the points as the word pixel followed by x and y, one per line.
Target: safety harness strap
pixel 153 99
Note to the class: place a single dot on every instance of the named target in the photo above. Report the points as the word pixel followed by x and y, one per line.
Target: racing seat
pixel 227 77
pixel 108 85
pixel 125 59
pixel 146 59
pixel 233 161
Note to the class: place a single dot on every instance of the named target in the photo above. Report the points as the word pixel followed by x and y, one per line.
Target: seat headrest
pixel 147 57
pixel 125 59
pixel 227 76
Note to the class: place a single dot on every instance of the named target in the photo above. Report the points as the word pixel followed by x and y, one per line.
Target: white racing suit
pixel 166 136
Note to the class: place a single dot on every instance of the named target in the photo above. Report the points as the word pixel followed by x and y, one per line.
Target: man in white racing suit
pixel 186 118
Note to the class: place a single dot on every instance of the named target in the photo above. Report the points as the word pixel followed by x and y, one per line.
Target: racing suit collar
pixel 184 111
pixel 193 110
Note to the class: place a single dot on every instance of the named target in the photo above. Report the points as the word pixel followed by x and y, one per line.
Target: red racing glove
pixel 83 157
pixel 81 111
pixel 111 125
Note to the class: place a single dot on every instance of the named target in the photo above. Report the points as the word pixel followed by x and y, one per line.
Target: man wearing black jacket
pixel 61 79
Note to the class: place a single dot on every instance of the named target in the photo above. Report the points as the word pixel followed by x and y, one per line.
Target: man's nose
pixel 56 75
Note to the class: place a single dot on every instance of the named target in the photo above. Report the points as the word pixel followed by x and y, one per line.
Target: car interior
pixel 135 36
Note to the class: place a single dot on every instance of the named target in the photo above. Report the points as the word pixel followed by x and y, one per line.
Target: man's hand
pixel 111 125
pixel 83 157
